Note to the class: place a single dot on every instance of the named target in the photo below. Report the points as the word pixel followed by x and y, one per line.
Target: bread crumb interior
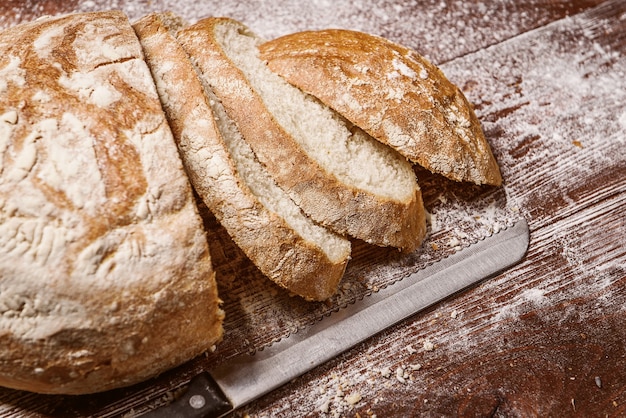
pixel 351 155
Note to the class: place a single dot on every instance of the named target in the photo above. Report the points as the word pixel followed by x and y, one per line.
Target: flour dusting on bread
pixel 105 273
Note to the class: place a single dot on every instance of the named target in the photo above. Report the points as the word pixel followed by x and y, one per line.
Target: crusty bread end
pixel 391 92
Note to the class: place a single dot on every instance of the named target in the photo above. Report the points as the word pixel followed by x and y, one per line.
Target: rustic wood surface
pixel 545 338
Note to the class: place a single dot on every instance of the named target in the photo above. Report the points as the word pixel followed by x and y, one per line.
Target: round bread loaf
pixel 105 273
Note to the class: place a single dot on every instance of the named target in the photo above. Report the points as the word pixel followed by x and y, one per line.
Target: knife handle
pixel 203 399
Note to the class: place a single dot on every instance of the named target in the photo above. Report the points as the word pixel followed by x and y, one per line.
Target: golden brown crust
pixel 392 93
pixel 341 207
pixel 105 274
pixel 280 252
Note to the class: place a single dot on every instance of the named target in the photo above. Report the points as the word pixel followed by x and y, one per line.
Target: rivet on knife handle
pixel 203 399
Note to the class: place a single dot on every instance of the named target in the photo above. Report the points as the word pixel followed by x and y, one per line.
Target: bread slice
pixel 281 241
pixel 391 92
pixel 105 273
pixel 337 174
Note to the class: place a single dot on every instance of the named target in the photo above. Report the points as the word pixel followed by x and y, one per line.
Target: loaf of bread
pixel 105 272
pixel 338 175
pixel 392 93
pixel 286 245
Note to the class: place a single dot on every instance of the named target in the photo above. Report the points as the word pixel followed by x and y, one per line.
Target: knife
pixel 247 377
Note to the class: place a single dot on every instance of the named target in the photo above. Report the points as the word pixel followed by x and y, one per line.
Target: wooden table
pixel 548 336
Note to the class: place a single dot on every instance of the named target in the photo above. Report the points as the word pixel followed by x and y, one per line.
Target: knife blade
pixel 242 379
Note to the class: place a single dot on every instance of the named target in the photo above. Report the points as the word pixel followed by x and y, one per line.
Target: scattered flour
pixel 511 88
pixel 534 297
pixel 622 120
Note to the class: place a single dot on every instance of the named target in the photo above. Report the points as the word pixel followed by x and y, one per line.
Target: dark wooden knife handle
pixel 203 399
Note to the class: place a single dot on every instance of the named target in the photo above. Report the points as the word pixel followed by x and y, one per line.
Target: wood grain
pixel 547 337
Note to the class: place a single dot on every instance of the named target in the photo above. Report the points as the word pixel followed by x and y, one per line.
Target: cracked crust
pixel 105 274
pixel 393 94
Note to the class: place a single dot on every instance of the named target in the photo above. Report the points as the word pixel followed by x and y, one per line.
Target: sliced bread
pixel 287 246
pixel 391 92
pixel 336 173
pixel 105 273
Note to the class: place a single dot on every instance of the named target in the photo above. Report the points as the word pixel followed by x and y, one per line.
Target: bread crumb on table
pixel 353 398
pixel 428 345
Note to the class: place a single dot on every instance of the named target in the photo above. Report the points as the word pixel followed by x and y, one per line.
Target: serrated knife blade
pixel 245 378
